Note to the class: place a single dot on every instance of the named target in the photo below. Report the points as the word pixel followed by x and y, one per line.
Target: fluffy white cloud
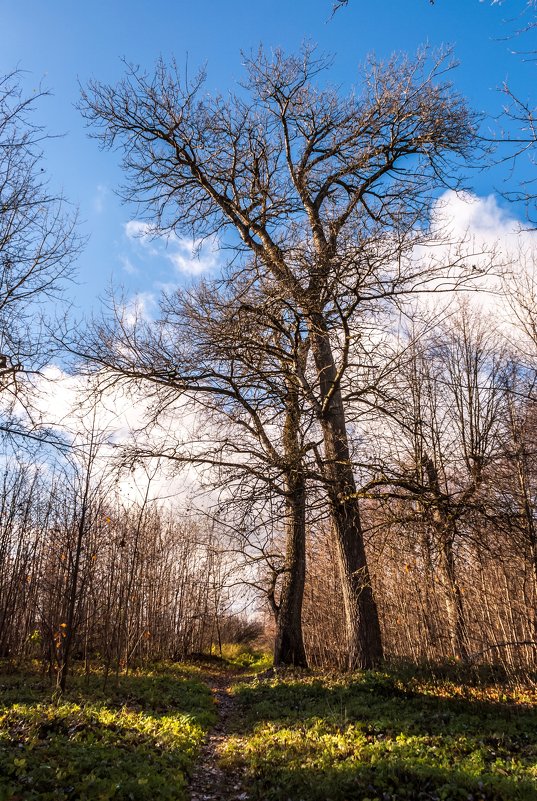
pixel 483 240
pixel 462 216
pixel 193 257
pixel 188 256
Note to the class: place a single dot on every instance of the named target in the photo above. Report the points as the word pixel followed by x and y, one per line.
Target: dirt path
pixel 209 782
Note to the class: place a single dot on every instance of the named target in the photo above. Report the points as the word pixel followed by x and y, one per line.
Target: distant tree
pixel 445 442
pixel 83 512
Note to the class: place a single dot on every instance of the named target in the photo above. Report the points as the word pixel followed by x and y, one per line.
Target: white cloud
pixel 463 216
pixel 478 238
pixel 193 257
pixel 136 229
pixel 188 256
pixel 127 265
pixel 65 404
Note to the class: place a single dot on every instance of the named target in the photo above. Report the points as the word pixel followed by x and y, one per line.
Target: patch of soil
pixel 209 782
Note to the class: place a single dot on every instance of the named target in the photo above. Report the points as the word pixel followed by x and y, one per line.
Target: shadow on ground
pixel 378 736
pixel 134 739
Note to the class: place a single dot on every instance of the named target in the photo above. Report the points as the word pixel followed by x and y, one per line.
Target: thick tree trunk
pixel 289 645
pixel 364 640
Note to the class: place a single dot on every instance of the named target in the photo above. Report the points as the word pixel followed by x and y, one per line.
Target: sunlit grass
pixel 243 656
pixel 385 736
pixel 136 738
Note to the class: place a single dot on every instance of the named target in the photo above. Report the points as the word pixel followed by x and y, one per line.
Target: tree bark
pixel 364 639
pixel 444 528
pixel 61 679
pixel 454 604
pixel 289 645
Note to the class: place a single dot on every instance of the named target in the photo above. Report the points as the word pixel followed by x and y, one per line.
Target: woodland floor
pixel 219 732
pixel 209 781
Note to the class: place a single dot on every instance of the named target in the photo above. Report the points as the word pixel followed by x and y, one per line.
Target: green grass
pixel 382 736
pixel 387 737
pixel 135 740
pixel 243 656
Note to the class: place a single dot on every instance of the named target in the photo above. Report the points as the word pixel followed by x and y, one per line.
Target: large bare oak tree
pixel 324 192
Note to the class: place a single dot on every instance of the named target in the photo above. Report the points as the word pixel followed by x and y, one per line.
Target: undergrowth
pixel 385 736
pixel 243 656
pixel 134 739
pixel 399 735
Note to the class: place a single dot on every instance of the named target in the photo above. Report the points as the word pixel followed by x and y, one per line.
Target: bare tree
pixel 448 441
pixel 37 237
pixel 324 193
pixel 236 351
pixel 86 511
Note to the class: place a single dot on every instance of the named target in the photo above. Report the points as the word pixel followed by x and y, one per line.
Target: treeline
pixel 448 515
pixel 93 580
pixel 447 501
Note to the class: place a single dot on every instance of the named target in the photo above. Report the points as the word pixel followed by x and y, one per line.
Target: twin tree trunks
pixel 325 196
pixel 364 641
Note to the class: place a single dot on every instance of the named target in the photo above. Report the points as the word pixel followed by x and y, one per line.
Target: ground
pixel 133 738
pixel 399 735
pixel 210 782
pixel 219 732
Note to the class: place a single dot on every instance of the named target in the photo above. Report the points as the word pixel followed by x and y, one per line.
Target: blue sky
pixel 60 43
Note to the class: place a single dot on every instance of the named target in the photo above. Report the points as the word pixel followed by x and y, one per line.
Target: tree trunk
pixel 533 608
pixel 527 514
pixel 61 679
pixel 454 605
pixel 289 644
pixel 364 640
pixel 444 529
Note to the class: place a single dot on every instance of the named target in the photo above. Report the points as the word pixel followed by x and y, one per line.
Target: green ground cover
pixel 385 736
pixel 135 739
pixel 240 656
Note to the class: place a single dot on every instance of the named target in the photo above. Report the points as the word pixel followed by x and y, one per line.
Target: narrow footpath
pixel 209 782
